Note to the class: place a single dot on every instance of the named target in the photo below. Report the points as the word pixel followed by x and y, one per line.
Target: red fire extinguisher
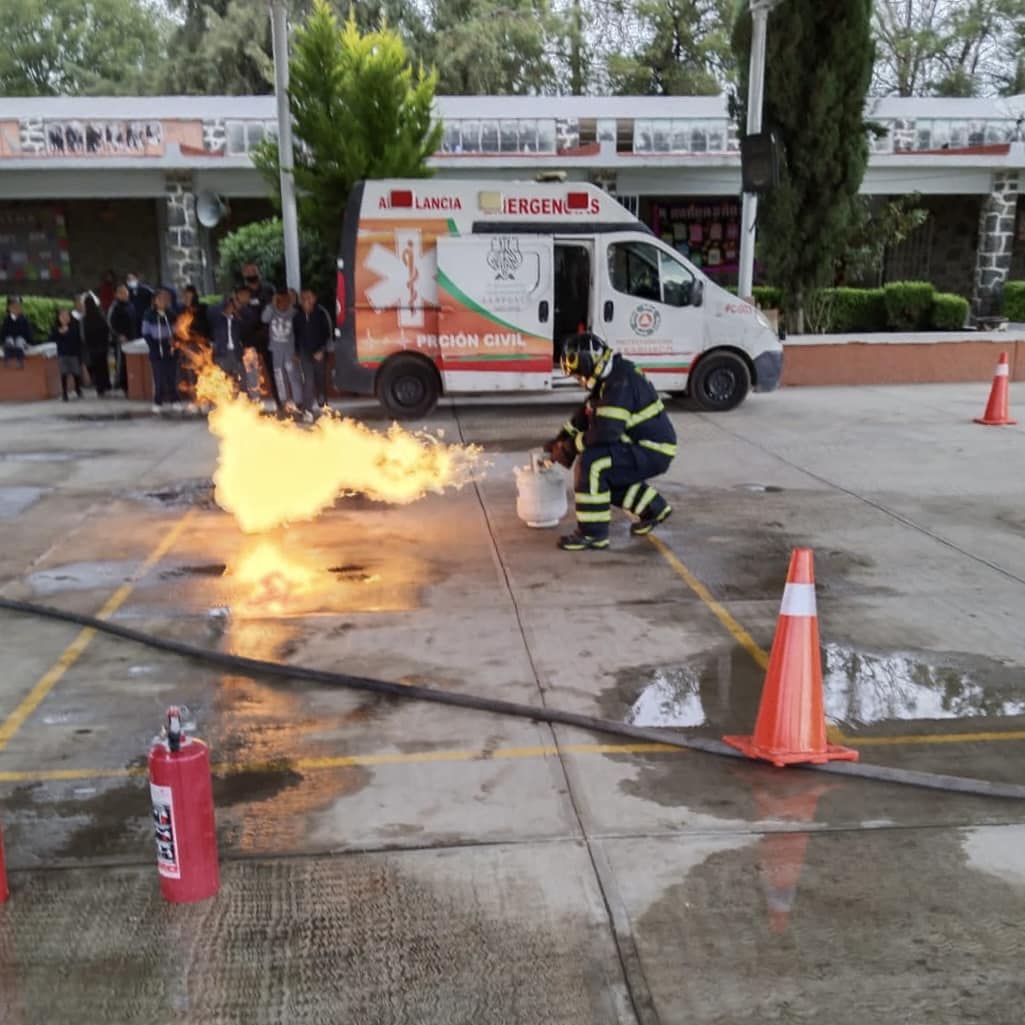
pixel 183 814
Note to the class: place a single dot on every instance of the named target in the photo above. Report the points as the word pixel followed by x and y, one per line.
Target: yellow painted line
pixel 350 761
pixel 736 631
pixel 834 734
pixel 937 738
pixel 74 650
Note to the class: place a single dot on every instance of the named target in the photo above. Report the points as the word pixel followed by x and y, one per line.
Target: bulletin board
pixel 34 245
pixel 705 231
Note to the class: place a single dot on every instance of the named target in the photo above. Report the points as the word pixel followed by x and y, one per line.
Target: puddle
pixel 863 688
pixel 43 457
pixel 254 784
pixel 196 492
pixel 81 576
pixel 212 569
pixel 124 414
pixel 998 851
pixel 764 488
pixel 14 500
pixel 671 699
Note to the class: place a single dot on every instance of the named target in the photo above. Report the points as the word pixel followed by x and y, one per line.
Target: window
pixel 528 136
pixel 236 133
pixel 489 142
pixel 509 133
pixel 645 272
pixel 546 136
pixel 471 137
pixel 677 281
pixel 254 135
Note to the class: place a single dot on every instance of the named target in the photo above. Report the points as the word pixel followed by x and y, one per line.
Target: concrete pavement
pixel 399 862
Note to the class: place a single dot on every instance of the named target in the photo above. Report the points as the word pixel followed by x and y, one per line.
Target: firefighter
pixel 619 439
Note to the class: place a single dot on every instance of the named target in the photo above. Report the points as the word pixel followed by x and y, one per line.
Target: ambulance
pixel 449 287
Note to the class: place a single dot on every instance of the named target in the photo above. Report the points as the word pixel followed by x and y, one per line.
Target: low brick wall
pixel 816 360
pixel 38 379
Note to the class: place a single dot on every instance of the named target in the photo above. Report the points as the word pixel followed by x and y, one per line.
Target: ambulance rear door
pixel 495 312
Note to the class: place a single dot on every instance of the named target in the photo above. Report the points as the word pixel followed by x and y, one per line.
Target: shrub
pixel 1014 301
pixel 908 305
pixel 768 297
pixel 857 309
pixel 42 314
pixel 949 311
pixel 263 243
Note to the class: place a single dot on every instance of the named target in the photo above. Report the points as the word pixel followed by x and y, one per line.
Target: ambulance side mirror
pixel 697 293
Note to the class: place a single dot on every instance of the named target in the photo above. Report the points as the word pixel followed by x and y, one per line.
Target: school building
pixel 91 184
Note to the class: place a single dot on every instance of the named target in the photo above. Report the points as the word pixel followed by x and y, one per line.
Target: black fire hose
pixel 283 671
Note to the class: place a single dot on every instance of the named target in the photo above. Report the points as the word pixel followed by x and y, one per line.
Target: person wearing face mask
pixel 139 295
pixel 619 439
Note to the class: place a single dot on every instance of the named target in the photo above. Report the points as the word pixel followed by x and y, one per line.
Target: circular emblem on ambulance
pixel 645 320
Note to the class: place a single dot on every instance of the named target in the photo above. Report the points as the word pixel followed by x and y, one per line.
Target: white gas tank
pixel 540 492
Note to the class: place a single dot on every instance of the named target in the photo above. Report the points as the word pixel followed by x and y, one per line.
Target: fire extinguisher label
pixel 164 828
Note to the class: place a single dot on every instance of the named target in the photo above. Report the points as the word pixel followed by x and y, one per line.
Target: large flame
pixel 273 472
pixel 269 580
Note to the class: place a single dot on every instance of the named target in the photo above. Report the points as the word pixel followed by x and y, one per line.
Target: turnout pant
pixel 616 475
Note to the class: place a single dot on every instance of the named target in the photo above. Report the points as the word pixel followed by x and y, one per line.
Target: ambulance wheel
pixel 408 387
pixel 720 382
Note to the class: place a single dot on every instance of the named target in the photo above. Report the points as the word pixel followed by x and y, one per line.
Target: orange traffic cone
pixel 997 413
pixel 791 725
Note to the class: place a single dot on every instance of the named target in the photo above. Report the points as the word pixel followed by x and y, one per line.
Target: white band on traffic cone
pixel 1003 370
pixel 798 600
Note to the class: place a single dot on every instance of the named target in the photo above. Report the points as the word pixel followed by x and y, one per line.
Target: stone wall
pixel 996 242
pixel 183 255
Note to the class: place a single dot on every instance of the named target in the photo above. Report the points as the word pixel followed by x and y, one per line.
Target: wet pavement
pixel 386 861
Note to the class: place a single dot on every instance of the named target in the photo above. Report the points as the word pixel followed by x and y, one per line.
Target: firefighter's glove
pixel 562 451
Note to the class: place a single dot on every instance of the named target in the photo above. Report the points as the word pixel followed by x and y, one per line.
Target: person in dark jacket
pixel 68 339
pixel 158 330
pixel 312 332
pixel 620 438
pixel 96 345
pixel 198 341
pixel 124 327
pixel 261 294
pixel 226 336
pixel 15 333
pixel 140 296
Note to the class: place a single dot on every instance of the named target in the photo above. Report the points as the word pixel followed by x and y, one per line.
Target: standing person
pixel 158 330
pixel 107 291
pixel 226 336
pixel 251 328
pixel 68 338
pixel 96 344
pixel 279 318
pixel 312 326
pixel 198 348
pixel 15 333
pixel 261 293
pixel 620 438
pixel 124 327
pixel 140 296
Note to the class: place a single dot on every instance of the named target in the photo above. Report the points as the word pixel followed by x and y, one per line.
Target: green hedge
pixel 909 305
pixel 42 314
pixel 855 309
pixel 949 312
pixel 1014 301
pixel 768 297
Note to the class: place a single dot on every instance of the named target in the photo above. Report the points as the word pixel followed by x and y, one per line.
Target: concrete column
pixel 182 253
pixel 996 243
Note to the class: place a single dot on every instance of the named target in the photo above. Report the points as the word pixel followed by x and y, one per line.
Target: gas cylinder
pixel 540 492
pixel 183 814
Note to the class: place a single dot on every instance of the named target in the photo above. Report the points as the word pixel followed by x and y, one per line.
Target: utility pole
pixel 755 94
pixel 286 157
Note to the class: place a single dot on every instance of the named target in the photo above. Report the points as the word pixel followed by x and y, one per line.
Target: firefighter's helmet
pixel 585 356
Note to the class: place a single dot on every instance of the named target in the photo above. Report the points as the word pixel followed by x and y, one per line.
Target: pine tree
pixel 819 64
pixel 359 110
